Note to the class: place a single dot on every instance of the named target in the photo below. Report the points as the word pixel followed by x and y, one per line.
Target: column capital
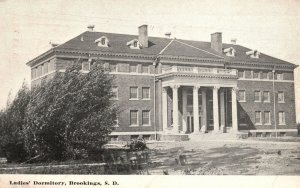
pixel 174 86
pixel 164 89
pixel 196 87
pixel 216 88
pixel 234 89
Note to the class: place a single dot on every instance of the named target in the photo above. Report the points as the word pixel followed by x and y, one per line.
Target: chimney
pixel 233 41
pixel 91 27
pixel 216 42
pixel 168 35
pixel 143 35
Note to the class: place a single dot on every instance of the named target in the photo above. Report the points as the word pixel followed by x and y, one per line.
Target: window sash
pixel 257 96
pixel 113 67
pixel 280 96
pixel 267 117
pixel 132 68
pixel 145 69
pixel 133 92
pixel 145 93
pixel 133 117
pixel 258 117
pixel 266 96
pixel 146 117
pixel 256 74
pixel 115 92
pixel 281 116
pixel 241 74
pixel 242 95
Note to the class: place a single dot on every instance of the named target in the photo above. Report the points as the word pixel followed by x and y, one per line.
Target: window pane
pixel 241 74
pixel 133 117
pixel 145 69
pixel 115 93
pixel 145 117
pixel 257 95
pixel 279 76
pixel 133 93
pixel 257 117
pixel 281 118
pixel 266 96
pixel 280 96
pixel 265 75
pixel 267 118
pixel 145 93
pixel 133 68
pixel 255 74
pixel 242 96
pixel 113 67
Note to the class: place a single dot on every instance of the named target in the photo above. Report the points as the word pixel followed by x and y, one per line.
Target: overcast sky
pixel 27 27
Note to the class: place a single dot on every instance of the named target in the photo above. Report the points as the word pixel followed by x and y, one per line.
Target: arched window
pixel 135 44
pixel 103 41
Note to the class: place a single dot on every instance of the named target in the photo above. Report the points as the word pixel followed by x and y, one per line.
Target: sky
pixel 28 26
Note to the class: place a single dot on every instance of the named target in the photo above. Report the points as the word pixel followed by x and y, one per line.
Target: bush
pixel 138 144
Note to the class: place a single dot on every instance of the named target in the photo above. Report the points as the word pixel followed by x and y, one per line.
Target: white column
pixel 222 109
pixel 165 108
pixel 184 113
pixel 204 115
pixel 175 108
pixel 234 109
pixel 196 109
pixel 216 108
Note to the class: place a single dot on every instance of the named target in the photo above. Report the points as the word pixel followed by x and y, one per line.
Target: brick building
pixel 171 87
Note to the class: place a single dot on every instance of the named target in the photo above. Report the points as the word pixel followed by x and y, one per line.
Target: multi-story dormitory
pixel 170 88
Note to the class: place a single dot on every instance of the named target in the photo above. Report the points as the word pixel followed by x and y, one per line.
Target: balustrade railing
pixel 199 70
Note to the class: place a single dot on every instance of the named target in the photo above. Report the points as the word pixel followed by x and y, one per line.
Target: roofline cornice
pixel 261 64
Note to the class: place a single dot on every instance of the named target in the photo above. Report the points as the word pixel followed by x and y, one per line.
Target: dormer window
pixel 253 53
pixel 134 44
pixel 229 52
pixel 102 41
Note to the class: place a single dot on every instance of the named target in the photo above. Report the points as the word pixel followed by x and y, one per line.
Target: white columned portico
pixel 165 108
pixel 234 110
pixel 175 108
pixel 184 112
pixel 216 108
pixel 204 113
pixel 196 109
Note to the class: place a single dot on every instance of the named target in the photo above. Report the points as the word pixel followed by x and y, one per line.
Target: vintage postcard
pixel 149 93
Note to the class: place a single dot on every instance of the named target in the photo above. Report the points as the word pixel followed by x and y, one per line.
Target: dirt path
pixel 219 157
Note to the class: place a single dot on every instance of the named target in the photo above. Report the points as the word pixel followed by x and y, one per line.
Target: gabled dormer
pixel 229 51
pixel 134 44
pixel 102 41
pixel 253 53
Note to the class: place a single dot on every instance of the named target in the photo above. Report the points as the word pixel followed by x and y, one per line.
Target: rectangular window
pixel 133 92
pixel 267 118
pixel 115 93
pixel 257 117
pixel 132 68
pixel 113 67
pixel 39 71
pixel 45 68
pixel 145 117
pixel 145 69
pixel 133 117
pixel 242 95
pixel 266 96
pixel 279 76
pixel 85 66
pixel 33 73
pixel 265 75
pixel 146 93
pixel 280 96
pixel 281 116
pixel 116 124
pixel 257 97
pixel 256 74
pixel 241 74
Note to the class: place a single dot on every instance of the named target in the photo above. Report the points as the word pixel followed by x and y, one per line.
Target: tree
pixel 70 113
pixel 12 120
